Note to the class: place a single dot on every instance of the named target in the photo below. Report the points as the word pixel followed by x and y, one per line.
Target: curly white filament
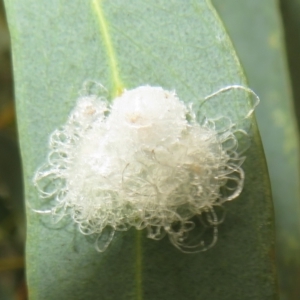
pixel 145 162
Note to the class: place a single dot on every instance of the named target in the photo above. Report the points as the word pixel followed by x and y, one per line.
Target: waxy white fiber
pixel 145 162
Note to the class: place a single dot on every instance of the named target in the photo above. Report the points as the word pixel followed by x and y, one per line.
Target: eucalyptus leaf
pixel 174 44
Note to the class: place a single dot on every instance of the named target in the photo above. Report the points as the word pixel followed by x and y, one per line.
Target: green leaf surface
pixel 261 50
pixel 173 44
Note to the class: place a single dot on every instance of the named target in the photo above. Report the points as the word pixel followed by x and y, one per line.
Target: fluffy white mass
pixel 143 161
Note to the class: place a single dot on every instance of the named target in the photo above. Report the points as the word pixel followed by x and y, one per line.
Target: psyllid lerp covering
pixel 143 161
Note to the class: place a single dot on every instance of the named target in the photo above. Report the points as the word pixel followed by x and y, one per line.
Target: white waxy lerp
pixel 143 161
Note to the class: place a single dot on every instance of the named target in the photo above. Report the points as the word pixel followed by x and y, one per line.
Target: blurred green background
pixel 12 220
pixel 266 68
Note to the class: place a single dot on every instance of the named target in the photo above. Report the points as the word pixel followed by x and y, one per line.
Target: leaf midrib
pixel 117 90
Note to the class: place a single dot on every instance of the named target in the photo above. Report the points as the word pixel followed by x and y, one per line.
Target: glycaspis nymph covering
pixel 142 161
